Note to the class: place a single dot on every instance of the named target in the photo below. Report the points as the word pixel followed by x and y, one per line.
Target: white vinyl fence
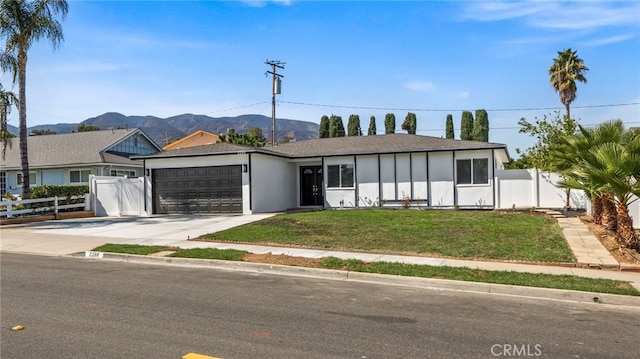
pixel 10 208
pixel 117 196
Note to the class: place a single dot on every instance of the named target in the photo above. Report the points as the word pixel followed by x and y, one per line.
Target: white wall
pixel 532 188
pixel 388 177
pixel 476 195
pixel 403 176
pixel 338 197
pixel 274 184
pixel 419 175
pixel 441 178
pixel 368 183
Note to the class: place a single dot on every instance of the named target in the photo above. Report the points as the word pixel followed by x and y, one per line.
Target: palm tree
pixel 618 166
pixel 565 71
pixel 7 100
pixel 21 24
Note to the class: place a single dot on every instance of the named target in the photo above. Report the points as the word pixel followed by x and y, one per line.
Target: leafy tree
pixel 323 131
pixel 372 127
pixel 286 139
pixel 389 123
pixel 353 126
pixel 43 132
pixel 254 137
pixel 336 126
pixel 22 24
pixel 466 126
pixel 86 128
pixel 566 69
pixel 481 126
pixel 410 123
pixel 7 100
pixel 450 134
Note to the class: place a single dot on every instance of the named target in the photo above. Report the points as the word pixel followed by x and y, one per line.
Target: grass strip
pixel 567 282
pixel 131 248
pixel 211 253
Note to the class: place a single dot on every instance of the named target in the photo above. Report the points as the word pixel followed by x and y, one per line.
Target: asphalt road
pixel 90 308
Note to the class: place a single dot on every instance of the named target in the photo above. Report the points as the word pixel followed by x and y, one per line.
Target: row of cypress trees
pixel 334 127
pixel 470 129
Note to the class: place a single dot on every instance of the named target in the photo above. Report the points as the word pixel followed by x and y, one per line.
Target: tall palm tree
pixel 22 23
pixel 565 71
pixel 7 100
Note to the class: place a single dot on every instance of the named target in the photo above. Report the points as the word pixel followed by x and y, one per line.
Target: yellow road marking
pixel 198 356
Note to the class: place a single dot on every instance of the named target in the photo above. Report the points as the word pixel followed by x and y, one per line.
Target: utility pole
pixel 275 90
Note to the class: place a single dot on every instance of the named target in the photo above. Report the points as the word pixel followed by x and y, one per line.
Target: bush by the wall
pixel 60 191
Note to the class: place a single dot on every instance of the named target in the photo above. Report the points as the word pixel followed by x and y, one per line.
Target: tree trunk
pixel 609 215
pixel 568 111
pixel 597 209
pixel 22 109
pixel 625 228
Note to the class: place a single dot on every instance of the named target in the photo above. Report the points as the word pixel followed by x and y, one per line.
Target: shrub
pixel 59 191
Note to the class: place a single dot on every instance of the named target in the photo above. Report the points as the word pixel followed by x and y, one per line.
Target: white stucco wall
pixel 338 197
pixel 419 175
pixel 514 188
pixel 441 178
pixel 403 176
pixel 388 177
pixel 274 184
pixel 476 195
pixel 368 182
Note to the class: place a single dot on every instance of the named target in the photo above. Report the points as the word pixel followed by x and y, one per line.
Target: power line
pixel 451 110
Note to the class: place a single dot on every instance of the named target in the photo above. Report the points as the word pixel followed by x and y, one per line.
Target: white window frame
pixel 122 173
pixel 32 179
pixel 80 173
pixel 341 168
pixel 472 165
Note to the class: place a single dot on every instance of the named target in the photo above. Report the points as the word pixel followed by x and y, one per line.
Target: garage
pixel 198 190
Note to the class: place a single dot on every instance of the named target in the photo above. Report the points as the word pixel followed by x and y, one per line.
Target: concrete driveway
pixel 83 234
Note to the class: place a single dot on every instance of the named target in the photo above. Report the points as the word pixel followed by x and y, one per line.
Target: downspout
pixel 455 189
pixel 411 174
pixel 428 181
pixel 379 183
pixel 355 180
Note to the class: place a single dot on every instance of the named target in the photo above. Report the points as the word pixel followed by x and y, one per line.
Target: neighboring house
pixel 389 170
pixel 70 158
pixel 197 138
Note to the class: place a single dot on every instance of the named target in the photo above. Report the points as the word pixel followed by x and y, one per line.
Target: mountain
pixel 164 130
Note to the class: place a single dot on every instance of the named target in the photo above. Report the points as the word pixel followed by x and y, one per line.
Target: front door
pixel 311 186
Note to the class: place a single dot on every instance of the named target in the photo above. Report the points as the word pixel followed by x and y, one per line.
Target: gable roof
pixel 71 149
pixel 197 138
pixel 339 146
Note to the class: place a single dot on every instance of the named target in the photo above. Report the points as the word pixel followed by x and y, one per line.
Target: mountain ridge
pixel 169 129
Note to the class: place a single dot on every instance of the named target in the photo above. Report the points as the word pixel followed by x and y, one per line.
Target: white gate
pixel 117 196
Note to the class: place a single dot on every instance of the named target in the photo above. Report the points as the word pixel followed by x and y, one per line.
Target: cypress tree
pixel 450 133
pixel 466 126
pixel 372 127
pixel 354 126
pixel 481 126
pixel 323 131
pixel 389 123
pixel 410 123
pixel 336 126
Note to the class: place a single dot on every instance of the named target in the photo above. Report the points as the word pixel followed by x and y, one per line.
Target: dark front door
pixel 311 186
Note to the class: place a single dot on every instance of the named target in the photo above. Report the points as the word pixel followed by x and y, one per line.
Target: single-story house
pixel 70 158
pixel 383 170
pixel 197 138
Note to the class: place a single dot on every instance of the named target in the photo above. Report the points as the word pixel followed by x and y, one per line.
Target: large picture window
pixel 472 171
pixel 79 176
pixel 339 176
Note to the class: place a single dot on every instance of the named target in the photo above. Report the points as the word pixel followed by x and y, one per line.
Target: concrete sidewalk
pixel 66 237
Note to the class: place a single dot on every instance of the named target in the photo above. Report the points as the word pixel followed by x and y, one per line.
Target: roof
pixel 339 146
pixel 197 138
pixel 71 149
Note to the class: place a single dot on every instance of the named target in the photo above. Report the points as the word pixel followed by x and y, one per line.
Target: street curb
pixel 425 283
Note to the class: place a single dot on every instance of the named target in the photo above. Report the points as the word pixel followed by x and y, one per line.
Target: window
pixel 32 179
pixel 340 176
pixel 123 173
pixel 81 176
pixel 472 171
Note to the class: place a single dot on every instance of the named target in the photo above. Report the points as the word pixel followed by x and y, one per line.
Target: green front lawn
pixel 451 233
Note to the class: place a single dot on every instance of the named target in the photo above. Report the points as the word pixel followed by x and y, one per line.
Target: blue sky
pixel 165 58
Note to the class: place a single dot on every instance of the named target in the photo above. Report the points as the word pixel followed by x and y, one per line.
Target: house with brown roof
pixel 198 138
pixel 70 158
pixel 345 172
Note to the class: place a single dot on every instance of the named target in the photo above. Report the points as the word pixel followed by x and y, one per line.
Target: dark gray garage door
pixel 198 190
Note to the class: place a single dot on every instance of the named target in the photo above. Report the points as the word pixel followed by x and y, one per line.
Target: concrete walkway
pixel 73 236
